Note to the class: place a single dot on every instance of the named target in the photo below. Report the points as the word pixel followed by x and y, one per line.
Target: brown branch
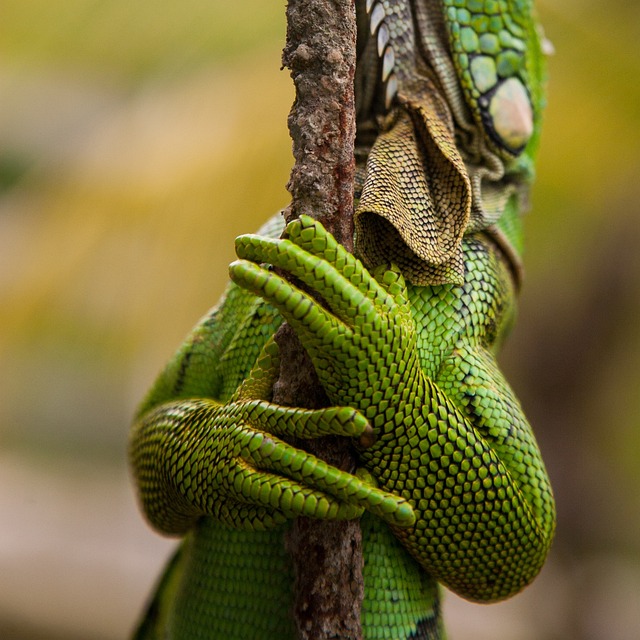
pixel 320 53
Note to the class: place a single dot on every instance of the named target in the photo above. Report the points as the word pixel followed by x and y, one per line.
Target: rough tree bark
pixel 321 55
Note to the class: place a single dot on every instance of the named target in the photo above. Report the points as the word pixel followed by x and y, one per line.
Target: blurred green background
pixel 136 141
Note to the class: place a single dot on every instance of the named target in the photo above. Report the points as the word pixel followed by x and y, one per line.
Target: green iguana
pixel 451 488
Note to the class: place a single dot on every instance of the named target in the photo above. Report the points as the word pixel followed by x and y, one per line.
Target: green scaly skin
pixel 451 487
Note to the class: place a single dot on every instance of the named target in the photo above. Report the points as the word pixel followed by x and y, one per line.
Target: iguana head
pixel 474 66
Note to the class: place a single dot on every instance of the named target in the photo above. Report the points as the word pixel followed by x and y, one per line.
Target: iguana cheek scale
pixel 452 488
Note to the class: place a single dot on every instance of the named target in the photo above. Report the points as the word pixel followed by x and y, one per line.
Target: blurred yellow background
pixel 136 141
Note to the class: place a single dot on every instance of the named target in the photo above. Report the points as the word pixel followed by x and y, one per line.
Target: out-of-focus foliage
pixel 134 40
pixel 136 140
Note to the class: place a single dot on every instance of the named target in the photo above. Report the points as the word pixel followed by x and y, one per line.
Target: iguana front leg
pixel 200 457
pixel 472 474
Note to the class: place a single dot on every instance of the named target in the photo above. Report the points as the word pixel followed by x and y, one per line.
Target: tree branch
pixel 321 54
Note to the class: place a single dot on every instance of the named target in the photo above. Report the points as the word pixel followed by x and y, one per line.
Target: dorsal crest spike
pixel 383 39
pixel 377 17
pixel 391 90
pixel 388 63
pixel 380 13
